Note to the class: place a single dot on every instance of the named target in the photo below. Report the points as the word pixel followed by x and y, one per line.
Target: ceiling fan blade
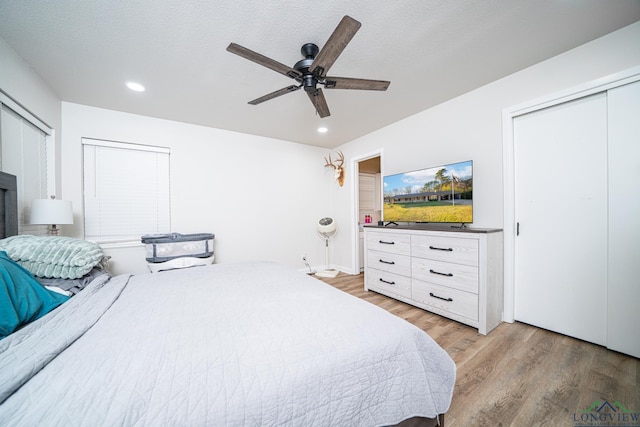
pixel 340 38
pixel 264 61
pixel 275 94
pixel 318 101
pixel 349 83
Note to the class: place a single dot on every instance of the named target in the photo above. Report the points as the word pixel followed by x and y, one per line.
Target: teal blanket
pixel 53 256
pixel 22 298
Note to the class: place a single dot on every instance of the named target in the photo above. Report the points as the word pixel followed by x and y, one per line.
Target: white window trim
pixel 125 145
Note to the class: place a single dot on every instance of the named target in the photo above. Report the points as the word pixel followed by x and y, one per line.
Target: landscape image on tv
pixel 439 194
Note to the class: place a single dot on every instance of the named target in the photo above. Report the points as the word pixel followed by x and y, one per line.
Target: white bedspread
pixel 222 345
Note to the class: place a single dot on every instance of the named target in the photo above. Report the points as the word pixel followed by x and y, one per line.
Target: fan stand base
pixel 327 273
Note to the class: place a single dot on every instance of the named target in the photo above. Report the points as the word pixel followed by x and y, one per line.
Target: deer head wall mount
pixel 338 166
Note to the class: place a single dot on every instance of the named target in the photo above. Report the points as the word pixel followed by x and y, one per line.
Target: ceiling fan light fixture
pixel 309 82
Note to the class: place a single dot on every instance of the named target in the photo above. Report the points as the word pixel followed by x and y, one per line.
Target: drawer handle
pixel 435 248
pixel 442 274
pixel 387 282
pixel 387 262
pixel 431 294
pixel 382 242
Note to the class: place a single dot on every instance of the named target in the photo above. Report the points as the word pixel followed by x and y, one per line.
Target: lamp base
pixel 331 272
pixel 53 230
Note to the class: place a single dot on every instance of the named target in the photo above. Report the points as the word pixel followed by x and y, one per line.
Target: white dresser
pixel 457 274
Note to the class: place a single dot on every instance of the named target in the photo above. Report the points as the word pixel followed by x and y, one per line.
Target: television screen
pixel 439 194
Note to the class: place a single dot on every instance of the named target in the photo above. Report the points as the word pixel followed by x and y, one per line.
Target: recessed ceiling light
pixel 135 86
pixel 322 129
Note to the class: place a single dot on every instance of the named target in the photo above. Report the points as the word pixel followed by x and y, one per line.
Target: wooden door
pixel 561 212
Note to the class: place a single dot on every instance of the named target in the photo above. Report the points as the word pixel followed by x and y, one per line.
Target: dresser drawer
pixel 451 300
pixel 447 249
pixel 388 283
pixel 458 276
pixel 389 242
pixel 389 262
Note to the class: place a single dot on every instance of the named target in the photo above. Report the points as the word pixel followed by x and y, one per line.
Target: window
pixel 26 150
pixel 126 190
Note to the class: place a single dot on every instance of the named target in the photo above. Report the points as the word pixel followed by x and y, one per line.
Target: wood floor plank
pixel 518 375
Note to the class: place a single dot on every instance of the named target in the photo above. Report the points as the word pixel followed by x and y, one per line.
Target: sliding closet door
pixel 561 209
pixel 624 220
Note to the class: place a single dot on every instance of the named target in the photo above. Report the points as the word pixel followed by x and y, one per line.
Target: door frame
pixel 355 202
pixel 508 164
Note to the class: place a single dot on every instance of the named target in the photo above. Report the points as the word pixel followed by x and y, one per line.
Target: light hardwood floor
pixel 518 375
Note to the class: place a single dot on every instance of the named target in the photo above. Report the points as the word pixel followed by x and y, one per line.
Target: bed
pixel 229 344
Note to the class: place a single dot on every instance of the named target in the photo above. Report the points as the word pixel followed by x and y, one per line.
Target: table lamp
pixel 51 212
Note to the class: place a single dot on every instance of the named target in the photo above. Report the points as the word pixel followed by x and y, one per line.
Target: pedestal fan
pixel 326 229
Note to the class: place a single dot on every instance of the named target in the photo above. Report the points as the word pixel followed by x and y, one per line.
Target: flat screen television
pixel 441 194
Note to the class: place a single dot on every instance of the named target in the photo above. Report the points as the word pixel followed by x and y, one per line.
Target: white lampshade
pixel 51 211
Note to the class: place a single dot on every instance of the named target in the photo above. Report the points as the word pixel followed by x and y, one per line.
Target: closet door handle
pixel 387 282
pixel 441 274
pixel 435 248
pixel 382 242
pixel 387 262
pixel 431 294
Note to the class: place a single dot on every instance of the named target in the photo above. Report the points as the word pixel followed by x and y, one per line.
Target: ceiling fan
pixel 312 70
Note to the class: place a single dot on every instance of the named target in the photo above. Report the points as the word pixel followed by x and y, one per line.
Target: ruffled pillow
pixel 53 256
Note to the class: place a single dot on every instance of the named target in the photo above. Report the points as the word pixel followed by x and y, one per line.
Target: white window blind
pixel 24 153
pixel 126 190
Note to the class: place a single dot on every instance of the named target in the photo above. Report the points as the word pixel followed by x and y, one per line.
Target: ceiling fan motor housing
pixel 309 81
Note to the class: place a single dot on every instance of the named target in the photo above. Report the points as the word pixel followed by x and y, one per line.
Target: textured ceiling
pixel 430 50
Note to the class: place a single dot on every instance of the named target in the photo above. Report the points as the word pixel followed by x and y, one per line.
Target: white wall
pixel 469 127
pixel 261 197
